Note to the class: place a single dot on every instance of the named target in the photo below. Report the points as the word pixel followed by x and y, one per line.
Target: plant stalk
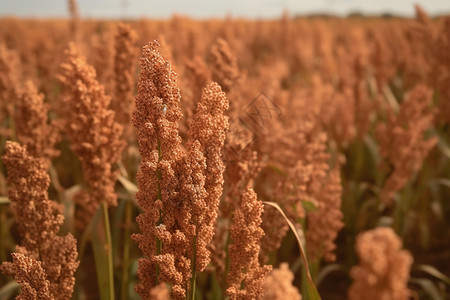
pixel 126 250
pixel 108 247
pixel 194 269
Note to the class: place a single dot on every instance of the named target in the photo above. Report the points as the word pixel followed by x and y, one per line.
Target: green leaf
pixel 325 271
pixel 130 187
pixel 100 234
pixel 390 99
pixel 8 289
pixel 277 169
pixel 133 295
pixel 69 207
pixel 442 144
pixel 309 206
pixel 116 225
pixel 216 292
pixel 430 270
pixel 428 287
pixel 309 292
pixel 372 146
pixel 55 179
pixel 443 181
pixel 385 221
pixel 126 250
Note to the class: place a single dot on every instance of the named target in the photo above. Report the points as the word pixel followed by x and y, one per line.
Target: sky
pixel 215 8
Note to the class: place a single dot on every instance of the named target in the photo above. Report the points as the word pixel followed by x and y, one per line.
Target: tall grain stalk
pixel 179 189
pixel 45 263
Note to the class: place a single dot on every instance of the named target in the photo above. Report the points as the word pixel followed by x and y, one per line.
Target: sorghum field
pixel 298 158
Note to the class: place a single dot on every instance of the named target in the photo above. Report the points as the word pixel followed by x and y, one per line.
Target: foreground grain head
pixel 179 188
pixel 209 127
pixel 45 263
pixel 156 122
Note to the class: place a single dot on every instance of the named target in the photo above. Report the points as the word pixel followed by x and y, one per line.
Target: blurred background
pixel 218 9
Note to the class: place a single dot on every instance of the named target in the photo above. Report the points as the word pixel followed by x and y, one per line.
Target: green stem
pixel 158 242
pixel 12 124
pixel 2 233
pixel 314 269
pixel 227 257
pixel 55 181
pixel 194 269
pixel 126 249
pixel 2 167
pixel 158 251
pixel 109 250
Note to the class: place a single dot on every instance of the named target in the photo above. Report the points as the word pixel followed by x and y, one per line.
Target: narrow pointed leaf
pixel 310 287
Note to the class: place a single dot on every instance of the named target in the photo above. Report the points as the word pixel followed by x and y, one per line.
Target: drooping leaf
pixel 309 292
pixel 128 185
pixel 428 287
pixel 328 269
pixel 430 270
